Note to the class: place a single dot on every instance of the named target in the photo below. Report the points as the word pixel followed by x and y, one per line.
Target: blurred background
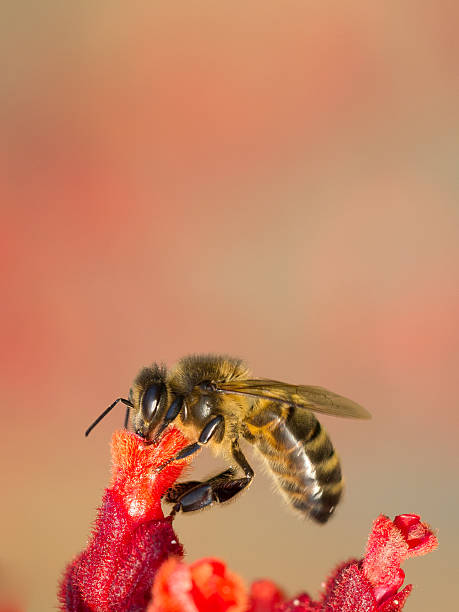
pixel 277 181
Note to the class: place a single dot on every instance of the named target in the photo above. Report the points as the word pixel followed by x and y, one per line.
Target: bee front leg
pixel 206 434
pixel 218 489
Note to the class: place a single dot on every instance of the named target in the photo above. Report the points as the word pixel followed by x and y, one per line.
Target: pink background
pixel 276 181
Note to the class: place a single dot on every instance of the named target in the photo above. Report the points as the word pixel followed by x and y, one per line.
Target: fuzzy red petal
pixel 397 601
pixel 419 536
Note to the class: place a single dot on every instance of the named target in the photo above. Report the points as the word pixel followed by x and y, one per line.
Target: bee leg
pixel 206 434
pixel 229 487
pixel 180 489
pixel 173 494
pixel 199 497
pixel 171 415
pixel 219 489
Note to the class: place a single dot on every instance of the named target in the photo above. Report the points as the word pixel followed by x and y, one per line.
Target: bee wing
pixel 312 398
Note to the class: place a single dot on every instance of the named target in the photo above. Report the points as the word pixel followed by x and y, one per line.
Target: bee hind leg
pixel 229 487
pixel 180 489
pixel 218 489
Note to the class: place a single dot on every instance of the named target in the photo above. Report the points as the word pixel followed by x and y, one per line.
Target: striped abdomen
pixel 301 457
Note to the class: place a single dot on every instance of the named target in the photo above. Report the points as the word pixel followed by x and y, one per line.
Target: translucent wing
pixel 316 399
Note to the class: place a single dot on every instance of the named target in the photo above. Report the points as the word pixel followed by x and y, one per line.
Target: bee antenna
pixel 107 410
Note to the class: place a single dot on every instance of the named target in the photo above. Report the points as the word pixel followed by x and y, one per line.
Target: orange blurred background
pixel 277 181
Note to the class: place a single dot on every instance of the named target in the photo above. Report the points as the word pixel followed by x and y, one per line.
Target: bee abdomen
pixel 301 457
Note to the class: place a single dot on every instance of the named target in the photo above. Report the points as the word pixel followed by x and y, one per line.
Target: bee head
pixel 147 418
pixel 149 398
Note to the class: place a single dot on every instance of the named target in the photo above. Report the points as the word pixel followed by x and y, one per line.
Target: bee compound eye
pixel 150 401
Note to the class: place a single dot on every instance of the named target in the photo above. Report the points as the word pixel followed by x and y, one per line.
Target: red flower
pixel 203 586
pixel 131 537
pixel 389 544
pixel 369 585
pixel 132 562
pixel 264 596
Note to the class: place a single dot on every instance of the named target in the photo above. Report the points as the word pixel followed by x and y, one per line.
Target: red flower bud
pixel 389 544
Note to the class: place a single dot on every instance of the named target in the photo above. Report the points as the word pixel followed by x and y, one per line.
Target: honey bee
pixel 214 400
